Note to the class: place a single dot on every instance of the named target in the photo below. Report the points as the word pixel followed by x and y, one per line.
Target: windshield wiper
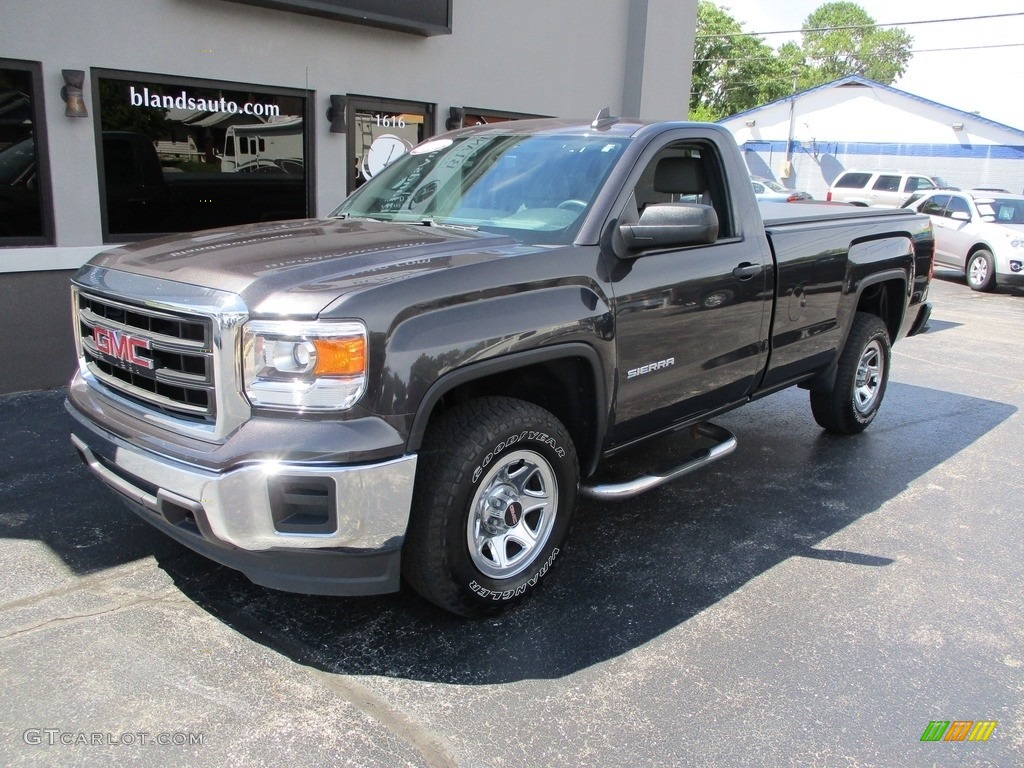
pixel 429 222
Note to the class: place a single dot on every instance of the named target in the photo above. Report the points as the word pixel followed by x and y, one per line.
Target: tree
pixel 841 39
pixel 732 72
pixel 118 114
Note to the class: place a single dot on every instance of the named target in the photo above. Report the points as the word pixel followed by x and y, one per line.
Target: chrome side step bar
pixel 725 443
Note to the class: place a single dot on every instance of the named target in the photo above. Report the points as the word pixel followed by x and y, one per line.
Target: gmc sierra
pixel 422 384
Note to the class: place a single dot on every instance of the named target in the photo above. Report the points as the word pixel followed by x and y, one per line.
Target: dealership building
pixel 807 139
pixel 120 122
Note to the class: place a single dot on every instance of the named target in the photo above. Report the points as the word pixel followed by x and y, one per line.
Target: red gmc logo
pixel 121 346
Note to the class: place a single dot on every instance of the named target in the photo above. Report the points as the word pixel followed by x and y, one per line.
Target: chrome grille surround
pixel 185 377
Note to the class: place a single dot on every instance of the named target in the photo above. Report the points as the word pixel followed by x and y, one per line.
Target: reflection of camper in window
pixel 263 148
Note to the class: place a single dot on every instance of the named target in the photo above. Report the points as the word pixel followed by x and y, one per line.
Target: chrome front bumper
pixel 372 508
pixel 234 516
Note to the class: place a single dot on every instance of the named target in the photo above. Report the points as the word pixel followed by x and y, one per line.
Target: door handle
pixel 746 270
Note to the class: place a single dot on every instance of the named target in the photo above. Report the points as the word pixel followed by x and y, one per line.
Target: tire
pixel 495 492
pixel 861 379
pixel 981 271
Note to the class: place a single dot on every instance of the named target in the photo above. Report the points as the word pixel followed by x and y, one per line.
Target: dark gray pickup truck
pixel 423 384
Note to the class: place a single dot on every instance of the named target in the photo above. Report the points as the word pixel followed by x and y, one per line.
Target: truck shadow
pixel 631 571
pixel 634 570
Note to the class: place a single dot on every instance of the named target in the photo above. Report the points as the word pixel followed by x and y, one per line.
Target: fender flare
pixel 825 380
pixel 486 368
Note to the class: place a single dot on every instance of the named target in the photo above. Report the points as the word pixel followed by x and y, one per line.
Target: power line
pixel 727 59
pixel 857 26
pixel 969 48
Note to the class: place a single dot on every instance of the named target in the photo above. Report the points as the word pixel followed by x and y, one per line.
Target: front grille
pixel 160 359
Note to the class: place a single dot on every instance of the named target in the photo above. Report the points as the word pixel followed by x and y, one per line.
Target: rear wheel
pixel 861 379
pixel 981 271
pixel 495 492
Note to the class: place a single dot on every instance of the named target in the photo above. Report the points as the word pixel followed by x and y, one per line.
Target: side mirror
pixel 671 225
pixel 960 216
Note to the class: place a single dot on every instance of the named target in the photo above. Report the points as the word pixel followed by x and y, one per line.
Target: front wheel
pixel 495 492
pixel 981 271
pixel 863 372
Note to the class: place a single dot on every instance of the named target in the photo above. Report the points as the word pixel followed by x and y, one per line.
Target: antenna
pixel 604 119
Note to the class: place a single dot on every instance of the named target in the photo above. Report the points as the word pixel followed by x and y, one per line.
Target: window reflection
pixel 21 208
pixel 186 156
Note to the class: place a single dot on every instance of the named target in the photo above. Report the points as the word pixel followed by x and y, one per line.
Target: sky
pixel 985 81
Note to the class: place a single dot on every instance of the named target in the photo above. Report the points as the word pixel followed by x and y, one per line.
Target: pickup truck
pixel 423 384
pixel 141 196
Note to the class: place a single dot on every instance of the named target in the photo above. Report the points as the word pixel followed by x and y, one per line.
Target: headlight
pixel 1017 243
pixel 304 365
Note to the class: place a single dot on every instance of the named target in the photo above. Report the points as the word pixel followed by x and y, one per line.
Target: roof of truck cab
pixel 614 126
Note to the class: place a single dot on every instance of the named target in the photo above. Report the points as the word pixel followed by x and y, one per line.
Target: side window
pixel 957 205
pixel 934 206
pixel 685 173
pixel 916 183
pixel 852 180
pixel 886 183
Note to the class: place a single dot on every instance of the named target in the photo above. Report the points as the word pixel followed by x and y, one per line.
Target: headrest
pixel 680 176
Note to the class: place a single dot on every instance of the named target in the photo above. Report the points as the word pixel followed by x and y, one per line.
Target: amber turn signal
pixel 340 357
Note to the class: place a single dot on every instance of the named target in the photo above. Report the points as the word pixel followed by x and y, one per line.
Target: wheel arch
pixel 980 246
pixel 567 380
pixel 885 294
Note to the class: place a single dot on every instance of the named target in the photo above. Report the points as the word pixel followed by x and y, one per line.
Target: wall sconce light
pixel 958 126
pixel 72 93
pixel 337 114
pixel 456 118
pixel 750 123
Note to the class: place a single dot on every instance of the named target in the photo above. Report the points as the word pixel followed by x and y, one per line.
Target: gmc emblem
pixel 122 347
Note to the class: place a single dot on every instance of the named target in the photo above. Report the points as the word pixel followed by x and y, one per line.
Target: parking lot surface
pixel 808 601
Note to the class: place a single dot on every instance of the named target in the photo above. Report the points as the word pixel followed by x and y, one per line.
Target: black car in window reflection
pixel 20 214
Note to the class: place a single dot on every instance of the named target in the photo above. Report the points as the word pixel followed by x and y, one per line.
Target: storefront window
pixel 24 212
pixel 466 117
pixel 181 155
pixel 381 131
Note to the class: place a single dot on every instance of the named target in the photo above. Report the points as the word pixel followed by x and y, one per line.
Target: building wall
pixel 866 126
pixel 815 165
pixel 530 56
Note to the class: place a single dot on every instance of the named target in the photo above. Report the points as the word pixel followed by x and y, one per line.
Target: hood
pixel 296 268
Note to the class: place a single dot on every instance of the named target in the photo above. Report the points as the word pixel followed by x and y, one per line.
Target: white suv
pixel 883 189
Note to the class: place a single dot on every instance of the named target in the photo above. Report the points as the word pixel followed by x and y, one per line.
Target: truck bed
pixel 775 214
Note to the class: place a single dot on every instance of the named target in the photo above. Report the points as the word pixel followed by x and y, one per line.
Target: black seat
pixel 680 176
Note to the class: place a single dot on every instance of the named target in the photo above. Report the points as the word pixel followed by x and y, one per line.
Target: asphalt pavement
pixel 810 600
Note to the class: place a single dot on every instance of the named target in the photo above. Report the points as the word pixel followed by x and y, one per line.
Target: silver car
pixel 766 190
pixel 978 233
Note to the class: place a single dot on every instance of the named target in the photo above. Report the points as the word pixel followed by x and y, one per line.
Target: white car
pixel 979 233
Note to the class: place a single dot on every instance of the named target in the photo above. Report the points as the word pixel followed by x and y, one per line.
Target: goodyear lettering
pixel 508 594
pixel 527 435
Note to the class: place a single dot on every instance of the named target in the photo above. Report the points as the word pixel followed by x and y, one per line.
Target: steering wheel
pixel 572 205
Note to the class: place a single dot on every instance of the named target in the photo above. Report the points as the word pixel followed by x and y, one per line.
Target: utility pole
pixel 787 168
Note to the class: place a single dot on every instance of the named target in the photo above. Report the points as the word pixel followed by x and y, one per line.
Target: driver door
pixel 691 323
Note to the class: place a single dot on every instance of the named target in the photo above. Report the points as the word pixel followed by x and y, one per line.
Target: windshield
pixel 533 188
pixel 1001 210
